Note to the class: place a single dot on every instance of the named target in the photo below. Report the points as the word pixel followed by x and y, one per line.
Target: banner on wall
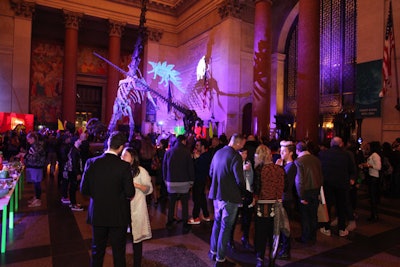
pixel 151 112
pixel 8 121
pixel 369 84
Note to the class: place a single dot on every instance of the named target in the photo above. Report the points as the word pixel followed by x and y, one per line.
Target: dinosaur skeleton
pixel 133 88
pixel 128 90
pixel 125 98
pixel 190 116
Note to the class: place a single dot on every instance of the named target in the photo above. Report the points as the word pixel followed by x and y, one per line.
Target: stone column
pixel 277 84
pixel 114 55
pixel 262 68
pixel 307 92
pixel 15 63
pixel 151 52
pixel 72 21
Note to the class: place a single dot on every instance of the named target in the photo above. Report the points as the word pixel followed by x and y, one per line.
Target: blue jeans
pixel 224 218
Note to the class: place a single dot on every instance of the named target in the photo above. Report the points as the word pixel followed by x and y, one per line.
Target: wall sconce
pixel 328 125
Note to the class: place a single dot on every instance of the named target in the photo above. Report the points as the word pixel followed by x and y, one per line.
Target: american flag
pixel 387 54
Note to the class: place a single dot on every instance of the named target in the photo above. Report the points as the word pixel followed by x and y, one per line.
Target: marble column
pixel 308 92
pixel 72 21
pixel 15 57
pixel 114 55
pixel 262 68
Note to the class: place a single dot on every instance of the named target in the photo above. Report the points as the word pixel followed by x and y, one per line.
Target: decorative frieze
pixel 116 28
pixel 154 35
pixel 230 8
pixel 23 8
pixel 72 19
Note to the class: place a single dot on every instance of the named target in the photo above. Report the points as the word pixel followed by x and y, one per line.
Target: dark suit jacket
pixel 226 172
pixel 337 167
pixel 107 180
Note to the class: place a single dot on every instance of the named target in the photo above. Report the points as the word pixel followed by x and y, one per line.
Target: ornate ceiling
pixel 171 7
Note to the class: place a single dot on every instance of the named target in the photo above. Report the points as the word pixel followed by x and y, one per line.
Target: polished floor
pixel 53 235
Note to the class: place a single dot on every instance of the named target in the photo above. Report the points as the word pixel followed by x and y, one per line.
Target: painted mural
pixel 47 73
pixel 90 64
pixel 46 81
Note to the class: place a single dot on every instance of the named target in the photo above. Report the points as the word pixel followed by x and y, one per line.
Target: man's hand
pixel 304 202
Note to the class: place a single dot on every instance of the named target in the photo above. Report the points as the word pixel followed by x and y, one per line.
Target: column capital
pixel 116 28
pixel 230 8
pixel 72 19
pixel 23 8
pixel 154 35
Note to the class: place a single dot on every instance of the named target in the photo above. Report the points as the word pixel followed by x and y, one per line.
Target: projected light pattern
pixel 167 74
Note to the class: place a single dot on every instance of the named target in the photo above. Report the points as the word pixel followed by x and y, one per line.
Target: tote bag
pixel 322 214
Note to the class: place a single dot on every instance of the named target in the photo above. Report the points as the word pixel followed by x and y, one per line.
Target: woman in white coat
pixel 140 223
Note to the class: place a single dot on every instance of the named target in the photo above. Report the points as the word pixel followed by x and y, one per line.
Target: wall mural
pixel 47 73
pixel 88 63
pixel 46 81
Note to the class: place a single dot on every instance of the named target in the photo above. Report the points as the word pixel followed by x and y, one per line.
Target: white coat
pixel 141 229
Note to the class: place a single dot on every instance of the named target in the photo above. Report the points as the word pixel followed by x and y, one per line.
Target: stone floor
pixel 53 235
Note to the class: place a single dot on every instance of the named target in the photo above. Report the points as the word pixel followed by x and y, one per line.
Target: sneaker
pixel 194 221
pixel 343 233
pixel 207 219
pixel 65 200
pixel 35 203
pixel 325 232
pixel 212 255
pixel 351 226
pixel 76 207
pixel 31 200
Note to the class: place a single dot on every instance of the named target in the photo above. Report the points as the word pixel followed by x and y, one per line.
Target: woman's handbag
pixel 323 215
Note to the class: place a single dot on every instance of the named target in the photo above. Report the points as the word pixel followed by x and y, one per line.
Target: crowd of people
pixel 265 182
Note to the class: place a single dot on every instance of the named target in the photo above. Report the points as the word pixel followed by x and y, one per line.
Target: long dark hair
pixel 375 146
pixel 135 164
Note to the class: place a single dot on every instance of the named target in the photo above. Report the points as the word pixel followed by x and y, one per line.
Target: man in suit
pixel 226 191
pixel 337 168
pixel 308 183
pixel 107 180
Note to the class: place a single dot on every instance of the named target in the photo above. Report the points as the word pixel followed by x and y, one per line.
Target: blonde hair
pixel 263 155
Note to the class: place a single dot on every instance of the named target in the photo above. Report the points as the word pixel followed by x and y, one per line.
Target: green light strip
pixel 4 230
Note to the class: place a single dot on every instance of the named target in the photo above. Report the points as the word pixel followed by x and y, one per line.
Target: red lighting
pixel 8 121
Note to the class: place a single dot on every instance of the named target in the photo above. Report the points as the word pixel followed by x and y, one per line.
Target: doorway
pixel 246 119
pixel 88 103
